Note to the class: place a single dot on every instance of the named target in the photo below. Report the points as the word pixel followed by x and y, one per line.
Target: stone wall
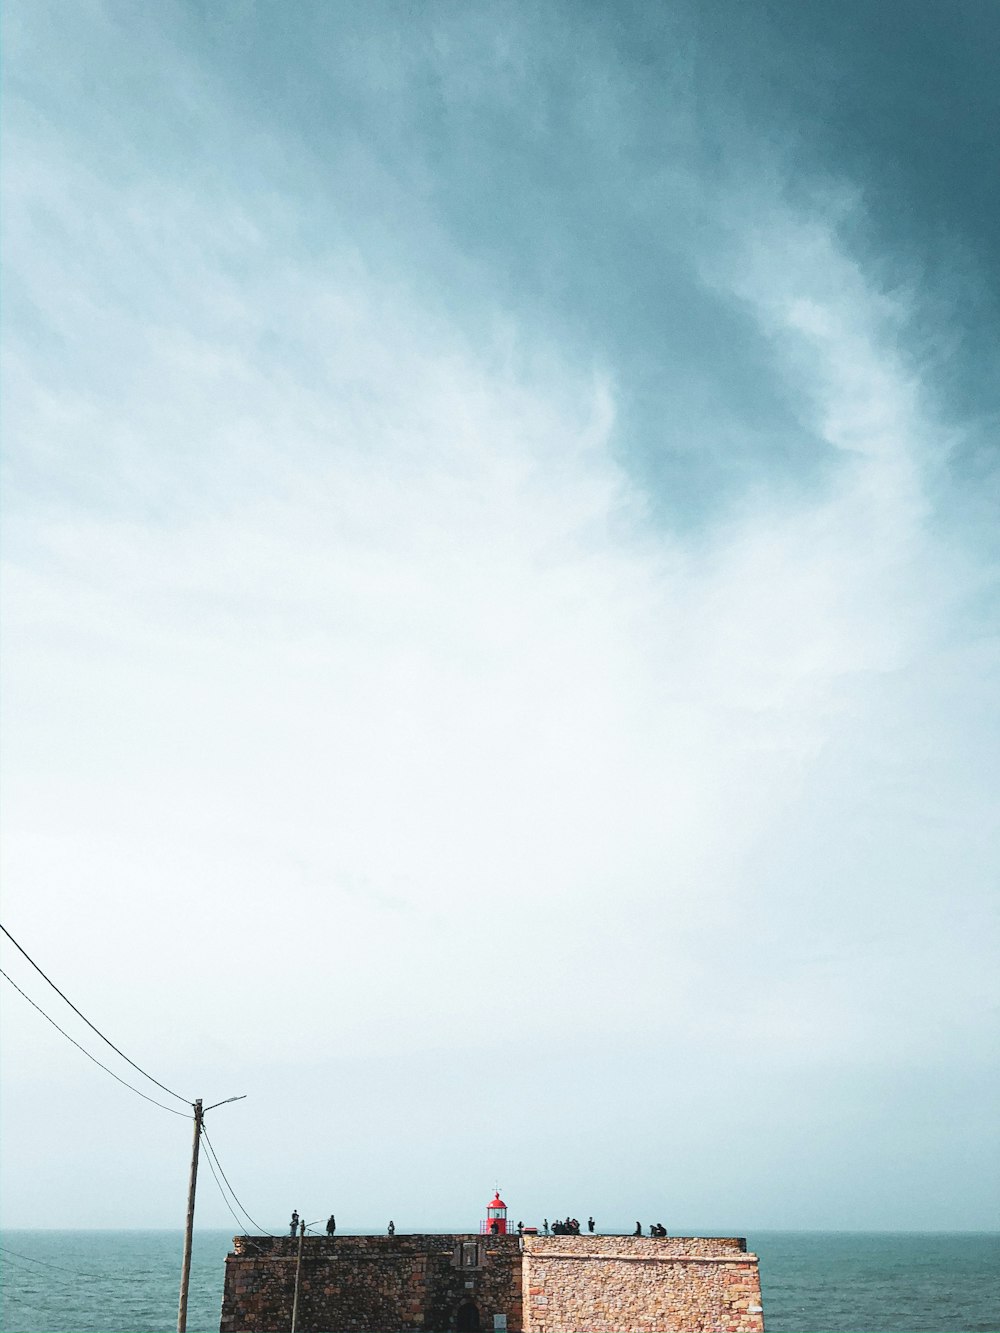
pixel 371 1284
pixel 559 1284
pixel 632 1284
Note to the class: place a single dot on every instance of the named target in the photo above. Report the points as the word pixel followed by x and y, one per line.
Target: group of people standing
pixel 296 1224
pixel 569 1227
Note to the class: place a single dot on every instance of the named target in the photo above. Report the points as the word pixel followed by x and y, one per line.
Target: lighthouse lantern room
pixel 496 1217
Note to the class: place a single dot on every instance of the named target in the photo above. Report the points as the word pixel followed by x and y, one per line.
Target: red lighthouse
pixel 496 1217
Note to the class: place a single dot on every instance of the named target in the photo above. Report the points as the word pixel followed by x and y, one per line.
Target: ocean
pixel 814 1282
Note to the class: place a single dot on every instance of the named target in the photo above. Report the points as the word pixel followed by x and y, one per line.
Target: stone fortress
pixel 491 1280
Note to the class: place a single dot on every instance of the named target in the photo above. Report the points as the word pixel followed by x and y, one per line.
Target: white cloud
pixel 349 672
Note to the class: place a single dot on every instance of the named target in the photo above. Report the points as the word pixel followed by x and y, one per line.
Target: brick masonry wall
pixel 626 1284
pixel 560 1284
pixel 371 1284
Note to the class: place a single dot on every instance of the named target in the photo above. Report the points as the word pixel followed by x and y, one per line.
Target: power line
pixel 186 1100
pixel 212 1152
pixel 248 1240
pixel 97 1062
pixel 103 1277
pixel 241 1224
pixel 8 1295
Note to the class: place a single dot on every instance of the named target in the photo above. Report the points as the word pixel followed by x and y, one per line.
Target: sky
pixel 500 610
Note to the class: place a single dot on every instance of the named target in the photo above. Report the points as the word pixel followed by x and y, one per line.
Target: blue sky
pixel 500 602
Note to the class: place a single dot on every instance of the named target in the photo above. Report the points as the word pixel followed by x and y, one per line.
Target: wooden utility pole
pixel 199 1120
pixel 182 1308
pixel 298 1270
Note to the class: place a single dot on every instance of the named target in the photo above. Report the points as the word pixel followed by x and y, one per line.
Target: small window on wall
pixel 470 1254
pixel 499 1323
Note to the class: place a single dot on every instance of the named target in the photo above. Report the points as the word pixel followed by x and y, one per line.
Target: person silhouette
pixel 392 1228
pixel 293 1225
pixel 331 1225
pixel 638 1229
pixel 590 1225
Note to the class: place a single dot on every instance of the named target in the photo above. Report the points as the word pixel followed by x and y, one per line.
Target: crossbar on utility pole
pixel 182 1308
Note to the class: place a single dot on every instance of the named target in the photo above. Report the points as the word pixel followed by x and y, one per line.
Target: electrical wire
pixel 8 1295
pixel 239 1223
pixel 97 1062
pixel 186 1100
pixel 214 1155
pixel 249 1241
pixel 103 1277
pixel 259 1249
pixel 251 1244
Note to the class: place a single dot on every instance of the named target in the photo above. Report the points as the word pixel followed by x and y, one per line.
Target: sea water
pixel 813 1282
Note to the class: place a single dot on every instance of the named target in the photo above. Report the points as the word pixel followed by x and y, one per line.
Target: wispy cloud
pixel 349 624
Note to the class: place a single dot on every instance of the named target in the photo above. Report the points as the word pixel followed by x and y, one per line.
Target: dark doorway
pixel 468 1318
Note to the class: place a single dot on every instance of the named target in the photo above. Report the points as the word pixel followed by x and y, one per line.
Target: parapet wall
pixel 633 1284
